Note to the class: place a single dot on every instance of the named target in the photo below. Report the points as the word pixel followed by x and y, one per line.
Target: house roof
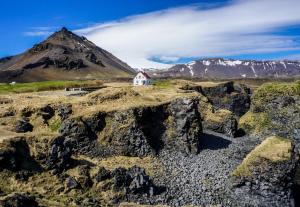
pixel 145 74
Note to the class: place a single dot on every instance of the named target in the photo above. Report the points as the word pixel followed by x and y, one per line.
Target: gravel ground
pixel 203 179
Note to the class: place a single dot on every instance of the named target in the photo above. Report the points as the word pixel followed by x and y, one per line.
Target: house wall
pixel 140 80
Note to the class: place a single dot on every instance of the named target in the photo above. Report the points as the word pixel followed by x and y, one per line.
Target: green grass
pixel 44 86
pixel 162 84
pixel 54 124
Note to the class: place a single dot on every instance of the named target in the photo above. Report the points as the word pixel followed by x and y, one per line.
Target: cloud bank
pixel 240 27
pixel 39 31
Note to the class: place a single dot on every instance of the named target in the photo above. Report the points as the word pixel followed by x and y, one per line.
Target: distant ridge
pixel 219 68
pixel 63 56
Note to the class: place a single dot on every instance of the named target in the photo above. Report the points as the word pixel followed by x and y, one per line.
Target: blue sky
pixel 155 33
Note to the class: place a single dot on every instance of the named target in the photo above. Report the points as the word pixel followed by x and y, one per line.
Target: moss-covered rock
pixel 266 174
pixel 230 96
pixel 275 110
pixel 222 121
pixel 273 149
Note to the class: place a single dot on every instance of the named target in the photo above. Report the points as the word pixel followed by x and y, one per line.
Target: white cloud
pixel 292 57
pixel 241 27
pixel 40 31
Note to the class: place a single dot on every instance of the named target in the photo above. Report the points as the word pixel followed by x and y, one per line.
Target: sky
pixel 159 33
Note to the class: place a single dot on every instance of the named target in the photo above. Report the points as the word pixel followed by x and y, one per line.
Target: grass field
pixel 6 88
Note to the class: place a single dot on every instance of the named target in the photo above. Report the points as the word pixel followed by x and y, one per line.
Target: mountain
pixel 218 68
pixel 63 56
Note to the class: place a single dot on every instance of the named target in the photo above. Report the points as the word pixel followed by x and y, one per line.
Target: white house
pixel 142 79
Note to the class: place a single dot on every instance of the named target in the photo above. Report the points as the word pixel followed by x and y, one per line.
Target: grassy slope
pixel 44 86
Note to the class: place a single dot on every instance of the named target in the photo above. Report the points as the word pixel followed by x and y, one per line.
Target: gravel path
pixel 203 179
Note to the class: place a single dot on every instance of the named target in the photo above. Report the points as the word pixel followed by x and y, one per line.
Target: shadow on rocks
pixel 213 142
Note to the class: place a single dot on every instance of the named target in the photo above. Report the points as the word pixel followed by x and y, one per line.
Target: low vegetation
pixel 274 149
pixel 150 164
pixel 162 83
pixel 44 86
pixel 269 91
pixel 254 122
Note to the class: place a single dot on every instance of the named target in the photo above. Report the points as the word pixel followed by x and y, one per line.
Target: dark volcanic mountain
pixel 219 68
pixel 63 56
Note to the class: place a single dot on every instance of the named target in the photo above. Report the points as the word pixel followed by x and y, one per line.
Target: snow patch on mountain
pixel 206 62
pixel 254 71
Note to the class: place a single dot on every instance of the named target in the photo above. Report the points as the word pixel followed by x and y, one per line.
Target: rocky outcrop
pixel 275 110
pixel 23 126
pixel 266 175
pixel 140 131
pixel 102 174
pixel 222 121
pixel 63 62
pixel 64 111
pixel 184 125
pixel 15 156
pixel 133 181
pixel 59 157
pixel 230 96
pixel 19 200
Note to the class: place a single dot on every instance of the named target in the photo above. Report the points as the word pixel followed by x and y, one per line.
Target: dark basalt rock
pixel 102 174
pixel 269 185
pixel 71 183
pixel 19 200
pixel 134 181
pixel 26 112
pixel 65 62
pixel 76 128
pixel 230 96
pixel 93 58
pixel 15 156
pixel 47 112
pixel 41 47
pixel 64 111
pixel 186 125
pixel 138 131
pixel 120 179
pixel 226 124
pixel 84 178
pixel 140 183
pixel 23 126
pixel 60 153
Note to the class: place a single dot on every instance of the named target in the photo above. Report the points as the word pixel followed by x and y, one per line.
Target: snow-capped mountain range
pixel 219 68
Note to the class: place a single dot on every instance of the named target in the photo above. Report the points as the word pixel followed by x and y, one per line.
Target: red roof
pixel 145 74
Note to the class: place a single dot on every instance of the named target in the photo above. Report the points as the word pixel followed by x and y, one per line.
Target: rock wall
pixel 141 131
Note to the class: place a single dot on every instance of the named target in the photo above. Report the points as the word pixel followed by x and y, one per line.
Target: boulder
pixel 23 126
pixel 102 174
pixel 75 128
pixel 64 111
pixel 133 181
pixel 140 182
pixel 19 200
pixel 59 156
pixel 84 178
pixel 71 183
pixel 47 112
